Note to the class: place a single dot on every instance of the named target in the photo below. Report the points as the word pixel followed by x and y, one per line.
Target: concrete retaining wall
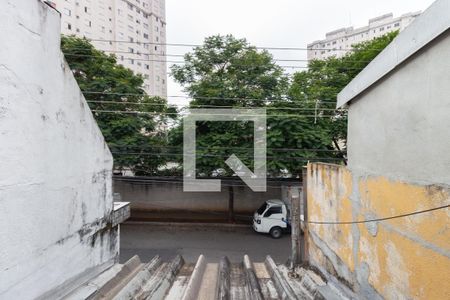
pixel 162 194
pixel 55 179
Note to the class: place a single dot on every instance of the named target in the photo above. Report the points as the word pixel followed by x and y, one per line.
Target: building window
pixel 382 28
pixel 69 26
pixel 131 50
pixel 130 39
pixel 132 61
pixel 397 24
pixel 156 48
pixel 145 36
pixel 67 12
pixel 85 9
pixel 147 67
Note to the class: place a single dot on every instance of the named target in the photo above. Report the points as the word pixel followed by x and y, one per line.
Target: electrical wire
pixel 183 62
pixel 236 65
pixel 183 55
pixel 226 156
pixel 378 219
pixel 331 101
pixel 211 106
pixel 200 45
pixel 135 112
pixel 240 148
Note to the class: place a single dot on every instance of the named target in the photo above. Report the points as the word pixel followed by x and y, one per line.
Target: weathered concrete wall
pixel 403 258
pixel 400 126
pixel 152 194
pixel 55 180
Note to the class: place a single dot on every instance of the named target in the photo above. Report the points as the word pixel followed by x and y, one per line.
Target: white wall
pixel 55 168
pixel 400 127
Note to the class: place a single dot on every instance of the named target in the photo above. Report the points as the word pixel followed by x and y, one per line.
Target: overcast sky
pixel 274 23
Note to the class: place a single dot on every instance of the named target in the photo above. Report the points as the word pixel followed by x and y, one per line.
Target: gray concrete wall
pixel 152 194
pixel 55 179
pixel 400 127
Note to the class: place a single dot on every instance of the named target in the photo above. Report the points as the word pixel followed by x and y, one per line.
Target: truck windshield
pixel 262 209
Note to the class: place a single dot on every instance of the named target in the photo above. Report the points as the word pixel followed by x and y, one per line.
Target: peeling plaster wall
pixel 399 162
pixel 55 180
pixel 404 258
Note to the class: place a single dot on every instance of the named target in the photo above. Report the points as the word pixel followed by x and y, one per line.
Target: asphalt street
pixel 190 240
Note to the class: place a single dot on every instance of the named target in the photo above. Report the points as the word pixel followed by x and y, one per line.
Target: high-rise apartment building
pixel 134 30
pixel 338 42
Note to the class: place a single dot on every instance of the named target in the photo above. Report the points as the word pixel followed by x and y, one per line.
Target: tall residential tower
pixel 338 42
pixel 134 30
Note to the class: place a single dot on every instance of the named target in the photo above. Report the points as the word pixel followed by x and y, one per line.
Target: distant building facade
pixel 339 42
pixel 139 24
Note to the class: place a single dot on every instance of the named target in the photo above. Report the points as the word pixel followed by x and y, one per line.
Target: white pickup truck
pixel 272 217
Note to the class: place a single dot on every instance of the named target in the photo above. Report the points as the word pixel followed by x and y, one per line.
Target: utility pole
pixel 294 195
pixel 230 203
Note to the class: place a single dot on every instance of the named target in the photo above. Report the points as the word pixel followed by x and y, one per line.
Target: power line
pixel 177 114
pixel 379 219
pixel 183 62
pixel 183 55
pixel 331 101
pixel 230 147
pixel 200 45
pixel 209 106
pixel 226 156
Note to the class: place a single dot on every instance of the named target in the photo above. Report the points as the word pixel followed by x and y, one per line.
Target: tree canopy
pixel 115 93
pixel 303 123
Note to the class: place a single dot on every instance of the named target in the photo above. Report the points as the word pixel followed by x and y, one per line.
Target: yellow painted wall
pixel 406 257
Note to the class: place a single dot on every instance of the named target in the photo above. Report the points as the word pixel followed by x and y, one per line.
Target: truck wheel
pixel 276 232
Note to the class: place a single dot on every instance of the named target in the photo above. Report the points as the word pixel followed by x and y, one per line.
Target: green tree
pixel 303 122
pixel 114 94
pixel 315 90
pixel 227 72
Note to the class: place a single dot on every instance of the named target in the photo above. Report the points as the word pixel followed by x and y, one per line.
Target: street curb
pixel 196 279
pixel 283 288
pixel 224 286
pixel 187 224
pixel 252 281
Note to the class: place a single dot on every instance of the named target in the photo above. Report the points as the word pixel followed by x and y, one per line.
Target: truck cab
pixel 272 217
